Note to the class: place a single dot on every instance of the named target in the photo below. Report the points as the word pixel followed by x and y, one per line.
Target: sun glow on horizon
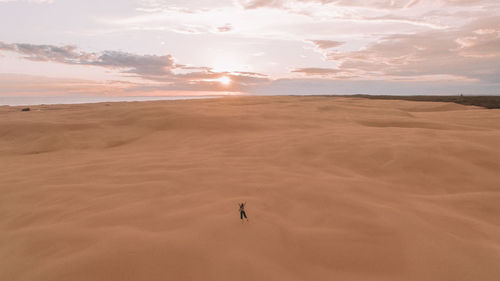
pixel 224 80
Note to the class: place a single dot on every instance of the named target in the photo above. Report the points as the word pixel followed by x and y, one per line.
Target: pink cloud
pixel 159 69
pixel 316 71
pixel 225 28
pixel 326 44
pixel 444 53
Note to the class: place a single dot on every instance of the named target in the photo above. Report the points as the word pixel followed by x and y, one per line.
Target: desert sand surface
pixel 336 189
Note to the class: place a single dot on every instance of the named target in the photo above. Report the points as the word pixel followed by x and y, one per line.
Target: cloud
pixel 160 69
pixel 138 64
pixel 326 73
pixel 446 53
pixel 326 44
pixel 206 82
pixel 389 15
pixel 43 52
pixel 126 62
pixel 433 24
pixel 254 4
pixel 434 14
pixel 316 71
pixel 32 85
pixel 225 28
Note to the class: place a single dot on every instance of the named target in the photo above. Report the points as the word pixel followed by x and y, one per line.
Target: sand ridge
pixel 337 189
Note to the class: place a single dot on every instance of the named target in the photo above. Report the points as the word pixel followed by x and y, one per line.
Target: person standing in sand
pixel 242 211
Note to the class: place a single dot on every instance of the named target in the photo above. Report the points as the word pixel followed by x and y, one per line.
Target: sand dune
pixel 337 189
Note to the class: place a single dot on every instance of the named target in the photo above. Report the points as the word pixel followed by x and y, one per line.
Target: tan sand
pixel 337 189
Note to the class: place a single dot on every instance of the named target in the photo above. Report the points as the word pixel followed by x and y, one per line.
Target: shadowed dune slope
pixel 337 189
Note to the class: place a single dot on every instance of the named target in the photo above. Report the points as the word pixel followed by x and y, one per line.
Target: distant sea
pixel 19 101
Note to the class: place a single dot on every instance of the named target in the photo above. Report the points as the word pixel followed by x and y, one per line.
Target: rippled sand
pixel 336 189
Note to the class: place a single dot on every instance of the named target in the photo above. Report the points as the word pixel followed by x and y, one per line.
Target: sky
pixel 207 47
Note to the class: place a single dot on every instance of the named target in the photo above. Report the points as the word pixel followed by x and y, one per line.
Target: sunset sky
pixel 198 47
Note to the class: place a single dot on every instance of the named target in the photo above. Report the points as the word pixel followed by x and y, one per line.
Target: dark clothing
pixel 242 211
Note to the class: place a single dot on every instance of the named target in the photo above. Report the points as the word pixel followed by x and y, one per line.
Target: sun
pixel 224 80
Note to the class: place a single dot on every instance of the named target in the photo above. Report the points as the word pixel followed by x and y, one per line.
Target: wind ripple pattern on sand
pixel 337 189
